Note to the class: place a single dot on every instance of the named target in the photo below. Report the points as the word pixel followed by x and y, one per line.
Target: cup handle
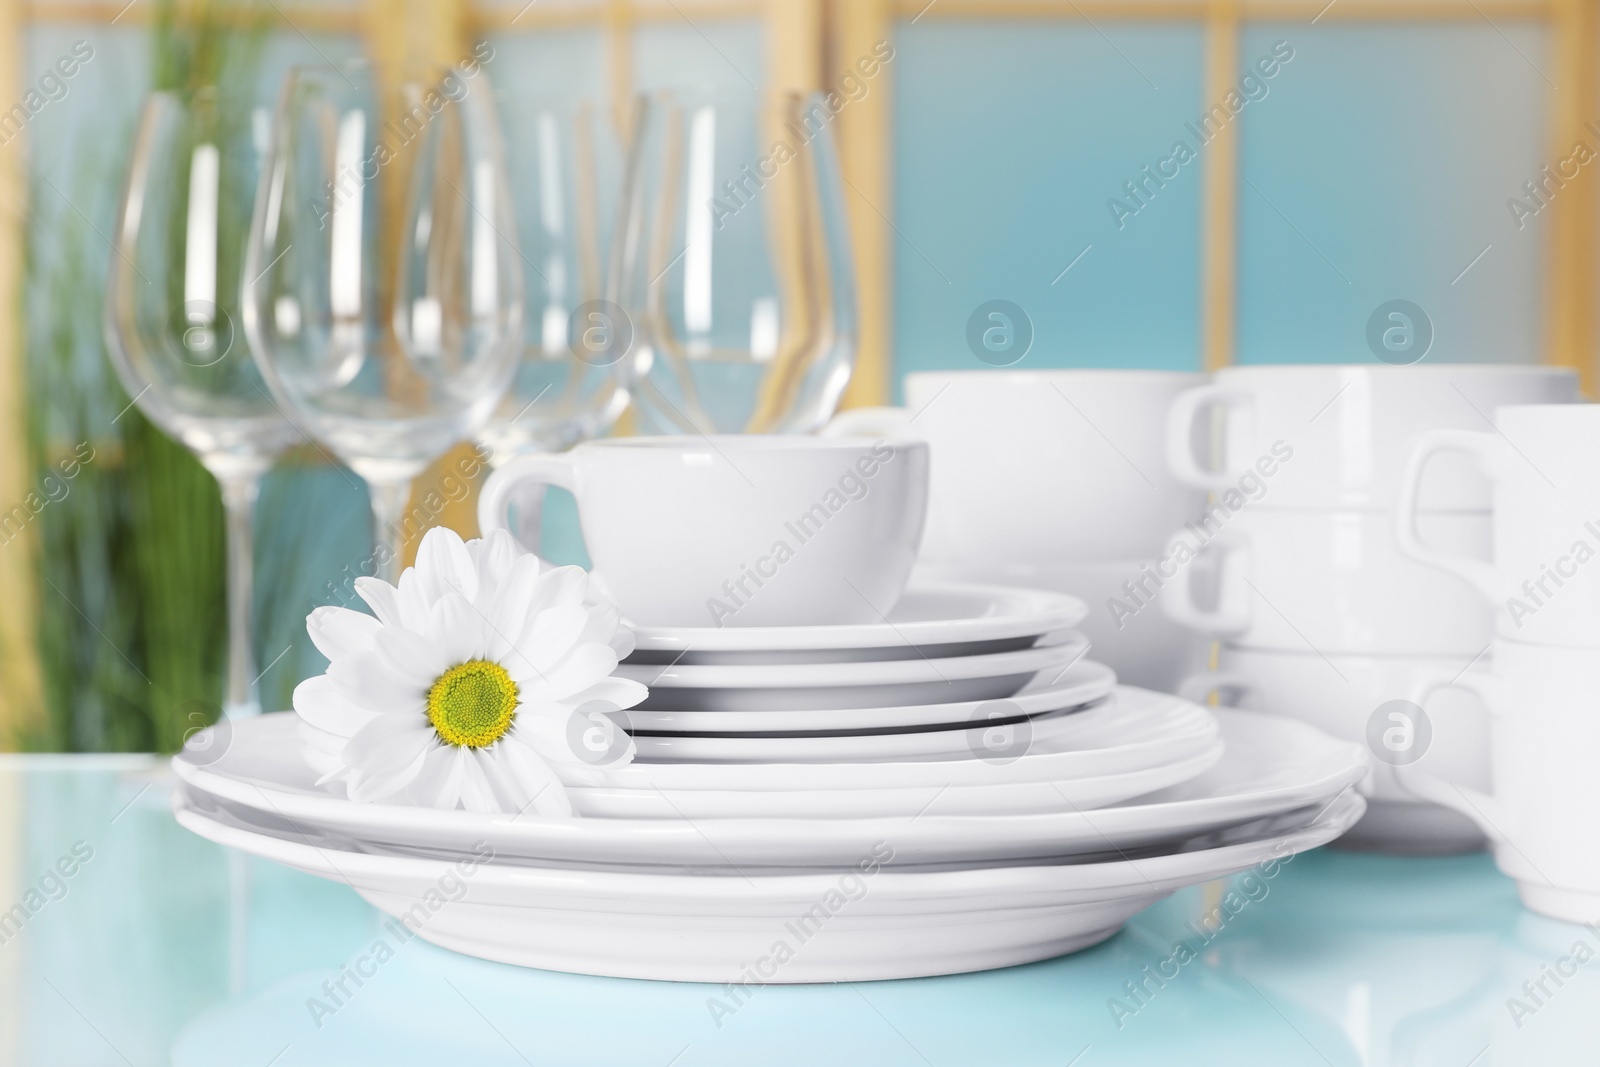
pixel 1186 407
pixel 516 481
pixel 1198 687
pixel 870 422
pixel 1482 808
pixel 1231 616
pixel 1489 453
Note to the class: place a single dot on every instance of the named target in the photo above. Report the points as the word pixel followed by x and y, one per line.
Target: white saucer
pixel 1084 682
pixel 848 684
pixel 994 736
pixel 930 620
pixel 853 925
pixel 1272 764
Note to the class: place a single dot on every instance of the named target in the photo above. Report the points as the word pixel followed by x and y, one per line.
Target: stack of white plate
pixel 952 789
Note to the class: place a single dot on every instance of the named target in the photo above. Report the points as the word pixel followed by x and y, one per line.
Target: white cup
pixel 1329 582
pixel 1544 578
pixel 1542 814
pixel 1350 427
pixel 1143 646
pixel 1355 698
pixel 1042 467
pixel 738 530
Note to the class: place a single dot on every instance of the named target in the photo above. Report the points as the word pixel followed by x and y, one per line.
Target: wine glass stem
pixel 239 503
pixel 389 500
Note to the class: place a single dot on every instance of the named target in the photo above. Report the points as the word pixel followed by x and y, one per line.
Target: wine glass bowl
pixel 171 308
pixel 743 290
pixel 383 297
pixel 569 385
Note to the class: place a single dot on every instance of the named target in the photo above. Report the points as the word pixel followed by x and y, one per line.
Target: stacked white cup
pixel 1320 614
pixel 1055 480
pixel 1542 682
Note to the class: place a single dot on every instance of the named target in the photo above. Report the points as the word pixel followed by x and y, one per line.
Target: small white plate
pixel 1272 765
pixel 927 621
pixel 992 736
pixel 793 686
pixel 1086 681
pixel 861 922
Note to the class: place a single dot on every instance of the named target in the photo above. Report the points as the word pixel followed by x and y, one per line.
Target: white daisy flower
pixel 478 682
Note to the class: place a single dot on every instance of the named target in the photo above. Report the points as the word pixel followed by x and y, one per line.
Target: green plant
pixel 131 620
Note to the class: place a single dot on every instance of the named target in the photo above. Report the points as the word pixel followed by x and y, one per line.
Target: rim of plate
pixel 1322 781
pixel 1113 875
pixel 1036 698
pixel 856 672
pixel 1011 611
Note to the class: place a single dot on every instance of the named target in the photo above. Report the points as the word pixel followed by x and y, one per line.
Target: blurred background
pixel 1176 184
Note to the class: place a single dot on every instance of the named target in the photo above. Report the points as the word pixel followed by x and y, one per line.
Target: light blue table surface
pixel 162 948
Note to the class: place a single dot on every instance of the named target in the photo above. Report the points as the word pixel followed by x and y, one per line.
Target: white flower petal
pixel 496 555
pixel 545 791
pixel 548 637
pixel 510 610
pixel 581 668
pixel 379 788
pixel 430 782
pixel 321 706
pixel 458 629
pixel 365 680
pixel 388 743
pixel 559 587
pixel 448 793
pixel 443 564
pixel 476 792
pixel 321 750
pixel 381 597
pixel 416 661
pixel 386 755
pixel 414 601
pixel 340 631
pixel 623 693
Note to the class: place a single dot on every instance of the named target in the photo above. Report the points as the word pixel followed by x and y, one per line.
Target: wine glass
pixel 383 295
pixel 171 310
pixel 570 158
pixel 743 291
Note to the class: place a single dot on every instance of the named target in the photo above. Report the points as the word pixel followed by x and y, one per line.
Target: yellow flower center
pixel 472 704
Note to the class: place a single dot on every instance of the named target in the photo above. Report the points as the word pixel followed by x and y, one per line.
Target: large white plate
pixel 839 925
pixel 930 619
pixel 1272 765
pixel 1084 682
pixel 1151 742
pixel 992 737
pixel 1136 730
pixel 758 686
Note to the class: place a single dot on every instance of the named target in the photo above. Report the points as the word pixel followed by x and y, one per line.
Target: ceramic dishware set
pixel 837 775
pixel 1323 612
pixel 1057 480
pixel 1540 806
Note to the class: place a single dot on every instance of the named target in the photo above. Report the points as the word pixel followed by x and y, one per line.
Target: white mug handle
pixel 870 422
pixel 1232 614
pixel 1482 808
pixel 510 483
pixel 1198 687
pixel 1181 415
pixel 1490 454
